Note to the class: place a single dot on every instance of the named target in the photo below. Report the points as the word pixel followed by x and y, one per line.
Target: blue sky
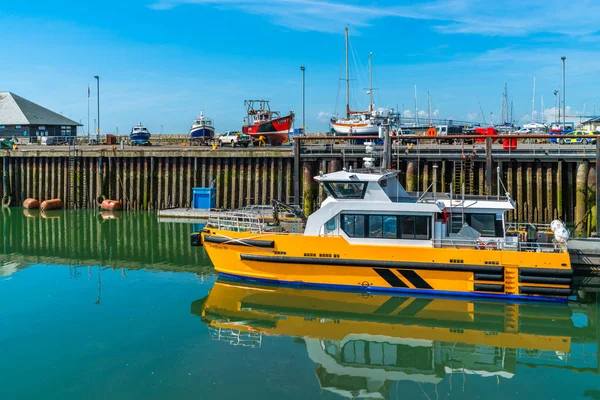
pixel 162 61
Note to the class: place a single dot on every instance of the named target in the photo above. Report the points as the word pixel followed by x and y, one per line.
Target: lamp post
pixel 555 104
pixel 564 93
pixel 303 100
pixel 98 99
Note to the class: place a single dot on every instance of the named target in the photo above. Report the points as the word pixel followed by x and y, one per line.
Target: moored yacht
pixel 139 135
pixel 202 130
pixel 371 234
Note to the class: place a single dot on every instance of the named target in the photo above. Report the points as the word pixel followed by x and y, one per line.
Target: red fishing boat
pixel 261 121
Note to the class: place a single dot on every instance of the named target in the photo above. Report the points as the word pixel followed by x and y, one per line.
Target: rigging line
pixel 360 77
pixel 337 98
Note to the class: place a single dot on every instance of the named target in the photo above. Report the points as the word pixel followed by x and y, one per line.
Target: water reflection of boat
pixel 362 343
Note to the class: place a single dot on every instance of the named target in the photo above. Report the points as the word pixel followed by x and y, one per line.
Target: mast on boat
pixel 370 82
pixel 347 80
pixel 533 102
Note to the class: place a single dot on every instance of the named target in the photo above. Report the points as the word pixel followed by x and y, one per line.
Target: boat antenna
pixel 347 79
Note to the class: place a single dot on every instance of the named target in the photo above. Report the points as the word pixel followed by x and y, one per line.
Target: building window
pixel 2 127
pixel 17 126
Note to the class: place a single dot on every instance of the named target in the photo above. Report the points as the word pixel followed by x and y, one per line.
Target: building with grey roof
pixel 21 117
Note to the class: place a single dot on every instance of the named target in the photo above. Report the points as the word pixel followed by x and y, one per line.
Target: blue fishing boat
pixel 202 130
pixel 139 136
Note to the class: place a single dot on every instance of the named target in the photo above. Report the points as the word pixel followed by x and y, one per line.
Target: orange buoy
pixel 111 205
pixel 31 204
pixel 52 204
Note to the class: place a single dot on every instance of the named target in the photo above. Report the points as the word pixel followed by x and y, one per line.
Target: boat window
pixel 416 227
pixel 354 225
pixel 330 225
pixel 488 225
pixel 347 190
pixel 390 227
pixel 387 226
pixel 375 226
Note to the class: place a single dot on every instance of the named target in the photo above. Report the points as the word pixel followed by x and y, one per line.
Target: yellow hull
pixel 333 262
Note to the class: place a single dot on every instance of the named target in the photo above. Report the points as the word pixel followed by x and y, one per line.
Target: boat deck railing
pixel 494 244
pixel 236 221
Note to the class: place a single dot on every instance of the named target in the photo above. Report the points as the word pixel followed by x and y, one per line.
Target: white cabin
pixel 373 208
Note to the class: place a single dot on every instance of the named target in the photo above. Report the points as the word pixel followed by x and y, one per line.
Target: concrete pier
pixel 544 186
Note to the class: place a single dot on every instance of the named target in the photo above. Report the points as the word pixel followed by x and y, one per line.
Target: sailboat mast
pixel 533 102
pixel 416 108
pixel 370 82
pixel 347 79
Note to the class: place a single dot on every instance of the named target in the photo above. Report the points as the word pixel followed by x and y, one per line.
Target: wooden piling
pixel 581 183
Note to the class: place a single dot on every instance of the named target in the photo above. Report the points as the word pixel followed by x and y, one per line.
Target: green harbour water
pixel 102 306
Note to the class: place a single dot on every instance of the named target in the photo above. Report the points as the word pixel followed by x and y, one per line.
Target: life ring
pixel 480 244
pixel 6 200
pixel 491 245
pixel 99 199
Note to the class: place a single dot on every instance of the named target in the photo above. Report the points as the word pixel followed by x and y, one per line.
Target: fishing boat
pixel 358 123
pixel 261 121
pixel 360 344
pixel 202 130
pixel 370 234
pixel 139 136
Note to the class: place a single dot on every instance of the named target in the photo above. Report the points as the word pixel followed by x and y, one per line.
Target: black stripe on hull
pixel 544 291
pixel 485 287
pixel 342 262
pixel 415 307
pixel 545 272
pixel 415 279
pixel 390 278
pixel 489 277
pixel 545 279
pixel 240 242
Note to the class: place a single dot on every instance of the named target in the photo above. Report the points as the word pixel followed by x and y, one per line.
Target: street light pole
pixel 98 99
pixel 303 101
pixel 564 93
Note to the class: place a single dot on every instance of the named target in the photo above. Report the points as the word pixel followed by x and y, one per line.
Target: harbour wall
pixel 149 179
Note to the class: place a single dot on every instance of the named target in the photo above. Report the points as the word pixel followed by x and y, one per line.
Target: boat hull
pixel 202 132
pixel 276 131
pixel 332 262
pixel 355 129
pixel 139 139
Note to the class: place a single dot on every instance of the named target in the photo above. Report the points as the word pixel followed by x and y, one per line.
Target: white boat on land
pixel 359 123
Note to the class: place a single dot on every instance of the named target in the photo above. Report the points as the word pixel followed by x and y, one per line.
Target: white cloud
pixel 324 116
pixel 507 18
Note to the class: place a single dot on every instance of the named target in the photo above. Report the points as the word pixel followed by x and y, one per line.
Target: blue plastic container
pixel 204 198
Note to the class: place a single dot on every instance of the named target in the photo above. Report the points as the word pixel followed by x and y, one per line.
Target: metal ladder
pixel 71 172
pixel 457 220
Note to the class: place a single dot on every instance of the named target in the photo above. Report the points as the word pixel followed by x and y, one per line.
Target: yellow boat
pixel 362 341
pixel 371 234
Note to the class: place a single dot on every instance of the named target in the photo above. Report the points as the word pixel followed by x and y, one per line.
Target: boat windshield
pixel 346 190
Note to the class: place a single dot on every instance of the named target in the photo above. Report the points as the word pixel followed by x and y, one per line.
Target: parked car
pixel 523 131
pixel 234 138
pixel 582 137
